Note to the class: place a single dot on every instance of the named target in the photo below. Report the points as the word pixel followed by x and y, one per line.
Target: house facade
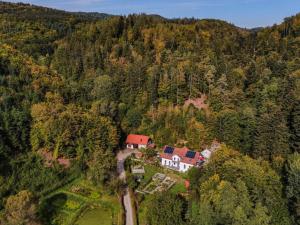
pixel 180 159
pixel 134 141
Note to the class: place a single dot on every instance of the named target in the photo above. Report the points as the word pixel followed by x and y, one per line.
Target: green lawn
pixel 150 170
pixel 179 187
pixel 95 216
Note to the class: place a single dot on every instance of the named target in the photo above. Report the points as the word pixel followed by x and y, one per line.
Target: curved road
pixel 122 155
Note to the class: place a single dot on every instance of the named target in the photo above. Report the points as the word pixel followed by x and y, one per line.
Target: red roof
pixel 181 152
pixel 137 139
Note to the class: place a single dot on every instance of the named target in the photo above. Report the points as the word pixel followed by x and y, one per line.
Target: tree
pixel 101 167
pixel 104 88
pixel 196 134
pixel 165 209
pixel 220 203
pixel 272 136
pixel 293 185
pixel 295 127
pixel 21 209
pixel 236 173
pixel 227 127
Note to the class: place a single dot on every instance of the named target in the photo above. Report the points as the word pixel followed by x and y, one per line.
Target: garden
pixel 151 180
pixel 81 203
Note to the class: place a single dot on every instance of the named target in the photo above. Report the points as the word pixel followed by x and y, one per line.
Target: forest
pixel 75 84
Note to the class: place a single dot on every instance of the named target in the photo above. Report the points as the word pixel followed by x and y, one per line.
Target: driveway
pixel 122 155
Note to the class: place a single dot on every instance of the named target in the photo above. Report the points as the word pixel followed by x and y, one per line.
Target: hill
pixel 75 84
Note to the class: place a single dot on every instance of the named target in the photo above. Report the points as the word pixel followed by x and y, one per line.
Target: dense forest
pixel 75 84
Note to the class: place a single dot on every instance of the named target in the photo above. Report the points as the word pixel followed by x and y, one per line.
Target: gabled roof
pixel 137 139
pixel 186 156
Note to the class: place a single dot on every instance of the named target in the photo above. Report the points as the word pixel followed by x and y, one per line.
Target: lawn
pixel 94 216
pixel 150 170
pixel 179 187
pixel 80 203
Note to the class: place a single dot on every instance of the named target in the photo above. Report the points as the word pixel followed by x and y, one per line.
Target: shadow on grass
pixel 51 207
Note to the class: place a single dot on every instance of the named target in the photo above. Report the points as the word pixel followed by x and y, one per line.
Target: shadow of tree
pixel 50 207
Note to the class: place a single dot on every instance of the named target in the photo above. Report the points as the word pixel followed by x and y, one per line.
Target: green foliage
pixel 68 129
pixel 29 172
pixel 21 209
pixel 229 173
pixel 101 166
pixel 75 84
pixel 293 185
pixel 165 209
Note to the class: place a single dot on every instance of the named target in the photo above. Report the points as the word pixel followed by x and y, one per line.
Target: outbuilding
pixel 138 141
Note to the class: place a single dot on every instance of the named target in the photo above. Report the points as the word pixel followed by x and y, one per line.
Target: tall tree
pixel 21 209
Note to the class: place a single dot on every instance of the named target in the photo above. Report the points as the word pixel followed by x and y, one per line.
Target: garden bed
pixel 69 204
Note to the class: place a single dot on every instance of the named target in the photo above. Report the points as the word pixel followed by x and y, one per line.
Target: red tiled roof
pixel 181 152
pixel 137 139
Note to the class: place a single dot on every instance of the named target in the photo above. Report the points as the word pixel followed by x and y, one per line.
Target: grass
pixel 92 216
pixel 80 203
pixel 150 170
pixel 179 187
pixel 142 210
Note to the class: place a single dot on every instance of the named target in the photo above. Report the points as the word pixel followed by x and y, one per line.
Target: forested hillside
pixel 75 84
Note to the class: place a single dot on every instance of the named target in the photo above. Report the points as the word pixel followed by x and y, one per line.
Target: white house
pixel 138 141
pixel 180 159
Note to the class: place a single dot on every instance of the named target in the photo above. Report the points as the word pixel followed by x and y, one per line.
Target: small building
pixel 180 159
pixel 138 169
pixel 187 184
pixel 138 141
pixel 206 153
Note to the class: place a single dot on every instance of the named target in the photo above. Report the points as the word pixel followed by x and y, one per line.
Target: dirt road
pixel 122 155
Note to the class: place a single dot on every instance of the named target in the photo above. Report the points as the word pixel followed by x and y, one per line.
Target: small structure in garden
pixel 187 184
pixel 138 141
pixel 139 169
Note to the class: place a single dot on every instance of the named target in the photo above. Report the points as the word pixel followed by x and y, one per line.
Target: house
pixel 138 141
pixel 180 159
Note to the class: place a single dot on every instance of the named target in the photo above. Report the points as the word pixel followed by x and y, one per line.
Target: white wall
pixel 183 167
pixel 142 146
pixel 130 146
